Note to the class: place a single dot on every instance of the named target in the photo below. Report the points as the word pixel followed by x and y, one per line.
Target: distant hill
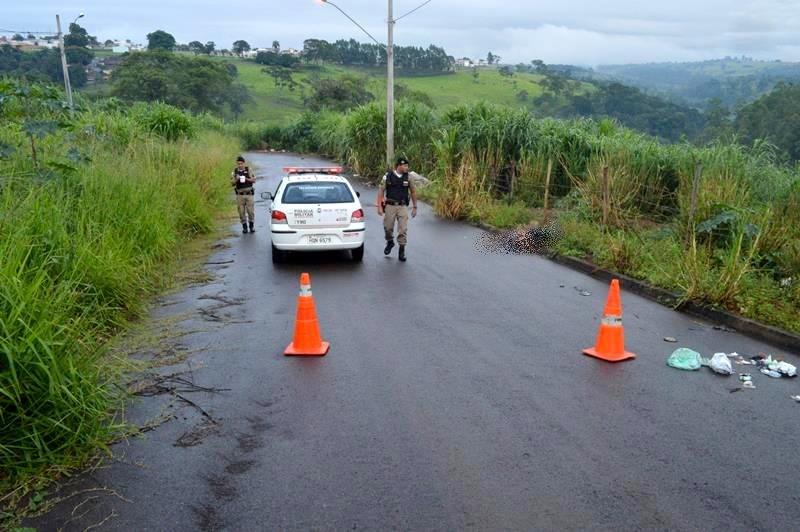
pixel 554 93
pixel 735 81
pixel 277 104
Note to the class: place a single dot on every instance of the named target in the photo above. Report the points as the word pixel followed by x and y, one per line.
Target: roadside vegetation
pixel 730 238
pixel 93 212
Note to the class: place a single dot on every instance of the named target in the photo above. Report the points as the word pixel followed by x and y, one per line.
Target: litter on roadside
pixel 670 339
pixel 773 367
pixel 795 397
pixel 686 359
pixel 720 363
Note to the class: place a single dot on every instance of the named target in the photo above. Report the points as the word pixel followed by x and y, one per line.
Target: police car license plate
pixel 319 239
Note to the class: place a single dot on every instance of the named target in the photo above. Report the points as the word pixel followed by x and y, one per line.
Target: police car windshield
pixel 317 192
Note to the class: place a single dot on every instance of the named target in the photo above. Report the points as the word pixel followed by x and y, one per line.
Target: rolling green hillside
pixel 733 81
pixel 275 105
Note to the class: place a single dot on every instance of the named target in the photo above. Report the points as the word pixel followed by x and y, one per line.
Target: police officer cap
pixel 401 160
pixel 240 158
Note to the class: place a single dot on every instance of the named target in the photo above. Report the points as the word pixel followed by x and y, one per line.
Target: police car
pixel 315 209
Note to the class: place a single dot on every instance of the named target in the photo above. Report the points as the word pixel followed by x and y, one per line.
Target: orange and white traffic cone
pixel 611 338
pixel 307 340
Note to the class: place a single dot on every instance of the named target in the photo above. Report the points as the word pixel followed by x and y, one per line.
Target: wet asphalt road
pixel 454 396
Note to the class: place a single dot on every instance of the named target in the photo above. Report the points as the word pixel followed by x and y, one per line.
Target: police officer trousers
pixel 396 214
pixel 246 205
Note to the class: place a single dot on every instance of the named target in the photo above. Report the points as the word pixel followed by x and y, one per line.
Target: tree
pixel 338 94
pixel 475 74
pixel 109 43
pixel 78 36
pixel 17 37
pixel 282 77
pixel 774 117
pixel 240 47
pixel 506 71
pixel 194 83
pixel 539 66
pixel 272 59
pixel 209 47
pixel 276 47
pixel 490 58
pixel 160 40
pixel 197 47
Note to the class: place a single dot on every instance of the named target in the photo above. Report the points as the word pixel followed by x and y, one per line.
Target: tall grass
pixel 81 250
pixel 491 163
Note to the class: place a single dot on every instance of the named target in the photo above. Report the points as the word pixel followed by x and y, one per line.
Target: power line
pixel 28 32
pixel 413 10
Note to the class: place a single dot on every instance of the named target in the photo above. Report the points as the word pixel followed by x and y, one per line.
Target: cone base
pixel 320 351
pixel 592 352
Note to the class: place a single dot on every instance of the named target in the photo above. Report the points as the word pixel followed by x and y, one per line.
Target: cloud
pixel 574 31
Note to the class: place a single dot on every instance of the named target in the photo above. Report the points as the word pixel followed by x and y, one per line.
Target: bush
pixel 163 120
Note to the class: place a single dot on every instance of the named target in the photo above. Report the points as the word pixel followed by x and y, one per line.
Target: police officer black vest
pixel 397 188
pixel 243 187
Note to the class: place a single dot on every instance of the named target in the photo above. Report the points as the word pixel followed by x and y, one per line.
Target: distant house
pixel 465 62
pixel 291 51
pixel 119 49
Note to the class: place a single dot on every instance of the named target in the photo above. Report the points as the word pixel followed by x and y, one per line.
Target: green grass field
pixel 277 105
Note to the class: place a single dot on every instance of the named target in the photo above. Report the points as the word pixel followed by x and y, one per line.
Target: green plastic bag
pixel 684 358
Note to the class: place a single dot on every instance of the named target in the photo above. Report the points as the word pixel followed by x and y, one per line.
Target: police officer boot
pixel 389 246
pixel 402 254
pixel 244 228
pixel 252 227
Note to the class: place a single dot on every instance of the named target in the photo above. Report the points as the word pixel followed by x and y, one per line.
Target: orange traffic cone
pixel 307 340
pixel 611 339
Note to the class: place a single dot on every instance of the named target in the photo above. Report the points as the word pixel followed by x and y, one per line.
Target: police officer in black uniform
pixel 394 193
pixel 242 179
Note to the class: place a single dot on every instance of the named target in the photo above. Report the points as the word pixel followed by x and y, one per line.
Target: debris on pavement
pixel 582 291
pixel 723 328
pixel 795 397
pixel 774 367
pixel 685 359
pixel 720 363
pixel 670 339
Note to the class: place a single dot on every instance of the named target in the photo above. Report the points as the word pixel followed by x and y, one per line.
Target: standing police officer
pixel 243 180
pixel 393 197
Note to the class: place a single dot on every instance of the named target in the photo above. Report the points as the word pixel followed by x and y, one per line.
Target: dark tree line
pixel 193 83
pixel 774 117
pixel 353 53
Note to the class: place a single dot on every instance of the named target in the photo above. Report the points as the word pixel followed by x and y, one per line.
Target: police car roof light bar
pixel 313 169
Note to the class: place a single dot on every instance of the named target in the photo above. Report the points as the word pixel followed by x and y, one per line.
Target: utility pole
pixel 64 66
pixel 390 90
pixel 391 21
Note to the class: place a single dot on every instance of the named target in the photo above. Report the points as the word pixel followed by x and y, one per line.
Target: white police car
pixel 315 209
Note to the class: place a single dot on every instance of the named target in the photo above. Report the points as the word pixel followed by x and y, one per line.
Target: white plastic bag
pixel 787 369
pixel 721 364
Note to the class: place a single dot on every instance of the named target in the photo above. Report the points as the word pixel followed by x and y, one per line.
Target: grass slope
pixel 276 105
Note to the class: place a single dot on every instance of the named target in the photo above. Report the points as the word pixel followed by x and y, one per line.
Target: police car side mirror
pixel 358 194
pixel 266 195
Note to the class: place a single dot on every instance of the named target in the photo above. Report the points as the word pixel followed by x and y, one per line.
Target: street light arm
pixel 354 22
pixel 413 10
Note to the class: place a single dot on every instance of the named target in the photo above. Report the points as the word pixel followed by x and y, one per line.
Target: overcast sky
pixel 582 32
